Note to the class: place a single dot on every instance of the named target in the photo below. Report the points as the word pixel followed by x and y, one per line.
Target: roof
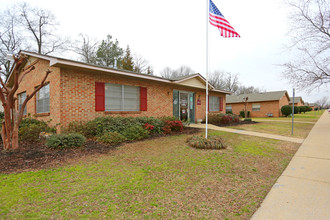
pixel 296 99
pixel 62 62
pixel 257 97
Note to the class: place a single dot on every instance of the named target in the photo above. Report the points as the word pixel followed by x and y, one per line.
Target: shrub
pixel 200 142
pixel 302 109
pixel 29 130
pixel 226 119
pixel 172 126
pixel 286 110
pixel 65 140
pixel 149 127
pixel 248 119
pixel 2 115
pixel 215 118
pixel 111 138
pixel 235 118
pixel 135 132
pixel 229 112
pixel 296 110
pixel 242 114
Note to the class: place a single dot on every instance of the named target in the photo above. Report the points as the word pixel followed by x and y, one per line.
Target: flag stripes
pixel 218 20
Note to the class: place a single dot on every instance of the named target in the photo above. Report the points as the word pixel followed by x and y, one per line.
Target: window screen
pixel 43 100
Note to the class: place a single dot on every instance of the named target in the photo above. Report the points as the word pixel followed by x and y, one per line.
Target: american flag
pixel 218 20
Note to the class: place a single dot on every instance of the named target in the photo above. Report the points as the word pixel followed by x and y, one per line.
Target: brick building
pixel 259 104
pixel 298 101
pixel 78 91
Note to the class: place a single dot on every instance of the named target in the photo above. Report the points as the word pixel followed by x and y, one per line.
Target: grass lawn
pixel 161 178
pixel 312 116
pixel 300 130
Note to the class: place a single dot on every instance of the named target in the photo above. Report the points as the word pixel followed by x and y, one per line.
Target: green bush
pixel 136 132
pixel 221 118
pixel 302 109
pixel 286 110
pixel 229 112
pixel 200 142
pixel 296 110
pixel 242 114
pixel 30 129
pixel 111 138
pixel 66 140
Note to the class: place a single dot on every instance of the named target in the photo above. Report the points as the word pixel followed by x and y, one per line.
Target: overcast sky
pixel 172 33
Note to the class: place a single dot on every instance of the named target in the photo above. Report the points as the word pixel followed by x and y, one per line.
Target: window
pixel 122 97
pixel 214 103
pixel 255 107
pixel 43 100
pixel 21 98
pixel 229 108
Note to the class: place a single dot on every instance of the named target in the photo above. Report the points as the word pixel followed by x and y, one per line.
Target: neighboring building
pixel 78 91
pixel 259 104
pixel 312 105
pixel 298 101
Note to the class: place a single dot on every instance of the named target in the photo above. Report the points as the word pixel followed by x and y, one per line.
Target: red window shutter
pixel 143 99
pixel 221 104
pixel 99 96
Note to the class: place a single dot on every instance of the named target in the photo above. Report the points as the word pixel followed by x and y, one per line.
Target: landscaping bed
pixel 38 156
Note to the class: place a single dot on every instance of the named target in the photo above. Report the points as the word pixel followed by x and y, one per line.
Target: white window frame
pixel 109 96
pixel 256 107
pixel 44 91
pixel 21 98
pixel 214 103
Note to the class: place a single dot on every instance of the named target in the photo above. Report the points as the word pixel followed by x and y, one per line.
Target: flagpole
pixel 207 68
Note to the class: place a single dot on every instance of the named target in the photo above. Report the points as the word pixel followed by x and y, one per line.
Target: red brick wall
pixel 32 80
pixel 72 95
pixel 78 96
pixel 265 108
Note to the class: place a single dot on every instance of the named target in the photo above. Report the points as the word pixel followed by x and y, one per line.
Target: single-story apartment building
pixel 77 91
pixel 259 104
pixel 298 101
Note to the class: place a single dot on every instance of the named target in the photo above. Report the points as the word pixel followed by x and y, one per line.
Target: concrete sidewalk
pixel 303 189
pixel 251 133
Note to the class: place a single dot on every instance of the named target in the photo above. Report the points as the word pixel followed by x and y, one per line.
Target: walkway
pixel 251 133
pixel 303 189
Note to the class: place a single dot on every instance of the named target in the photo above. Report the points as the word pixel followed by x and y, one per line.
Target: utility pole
pixel 292 111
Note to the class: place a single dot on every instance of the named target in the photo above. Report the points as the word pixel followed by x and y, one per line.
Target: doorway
pixel 184 105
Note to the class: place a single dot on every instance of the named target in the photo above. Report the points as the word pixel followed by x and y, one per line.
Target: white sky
pixel 172 33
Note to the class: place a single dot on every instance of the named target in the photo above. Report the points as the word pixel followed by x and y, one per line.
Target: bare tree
pixel 86 48
pixel 41 24
pixel 322 102
pixel 10 38
pixel 140 64
pixel 310 34
pixel 169 73
pixel 224 80
pixel 13 116
pixel 248 89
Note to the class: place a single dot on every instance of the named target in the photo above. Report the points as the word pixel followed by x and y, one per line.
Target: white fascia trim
pixel 216 90
pixel 193 76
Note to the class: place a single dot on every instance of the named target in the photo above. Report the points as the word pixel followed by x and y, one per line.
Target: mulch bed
pixel 39 156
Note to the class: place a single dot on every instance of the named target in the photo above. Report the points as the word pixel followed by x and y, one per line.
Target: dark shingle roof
pixel 257 97
pixel 296 99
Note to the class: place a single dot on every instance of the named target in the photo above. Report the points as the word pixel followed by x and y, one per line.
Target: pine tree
pixel 127 61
